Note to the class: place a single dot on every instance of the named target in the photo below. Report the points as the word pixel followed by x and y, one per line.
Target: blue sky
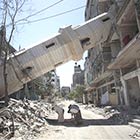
pixel 29 34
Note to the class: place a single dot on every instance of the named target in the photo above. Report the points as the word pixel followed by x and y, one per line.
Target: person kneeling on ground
pixel 75 113
pixel 60 111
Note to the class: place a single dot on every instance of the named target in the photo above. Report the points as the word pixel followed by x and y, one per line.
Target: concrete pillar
pixel 116 75
pixel 96 101
pixel 92 96
pixel 85 99
pixel 126 99
pixel 139 80
pixel 97 97
pixel 137 11
pixel 138 63
pixel 26 91
pixel 138 66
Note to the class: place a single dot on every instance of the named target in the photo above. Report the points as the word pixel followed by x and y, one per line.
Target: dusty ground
pixel 94 127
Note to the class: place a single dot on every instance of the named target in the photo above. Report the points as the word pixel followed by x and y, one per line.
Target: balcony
pixel 127 23
pixel 128 55
pixel 99 67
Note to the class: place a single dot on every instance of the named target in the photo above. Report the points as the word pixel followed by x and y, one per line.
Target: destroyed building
pixel 112 67
pixel 69 44
pixel 78 76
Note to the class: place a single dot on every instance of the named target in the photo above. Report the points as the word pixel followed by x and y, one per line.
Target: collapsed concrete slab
pixel 69 44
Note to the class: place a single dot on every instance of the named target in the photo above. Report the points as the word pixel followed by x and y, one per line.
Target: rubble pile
pixel 136 134
pixel 96 110
pixel 28 117
pixel 116 115
pixel 113 114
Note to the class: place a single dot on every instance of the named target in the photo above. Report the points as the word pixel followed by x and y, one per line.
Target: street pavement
pixel 94 127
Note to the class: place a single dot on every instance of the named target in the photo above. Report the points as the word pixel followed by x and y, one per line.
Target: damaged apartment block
pixel 112 74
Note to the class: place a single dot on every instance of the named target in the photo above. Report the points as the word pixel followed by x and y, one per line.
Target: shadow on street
pixel 85 122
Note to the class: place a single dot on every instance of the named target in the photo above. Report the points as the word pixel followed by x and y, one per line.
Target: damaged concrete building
pixel 112 74
pixel 69 44
pixel 78 76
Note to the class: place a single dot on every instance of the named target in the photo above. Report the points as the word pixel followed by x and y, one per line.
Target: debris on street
pixel 136 134
pixel 115 114
pixel 28 118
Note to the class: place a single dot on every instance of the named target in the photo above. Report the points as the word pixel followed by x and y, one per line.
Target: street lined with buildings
pixel 107 90
pixel 112 67
pixel 94 127
pixel 111 75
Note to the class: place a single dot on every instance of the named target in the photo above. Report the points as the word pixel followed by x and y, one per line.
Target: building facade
pixel 44 86
pixel 112 67
pixel 78 76
pixel 55 81
pixel 127 61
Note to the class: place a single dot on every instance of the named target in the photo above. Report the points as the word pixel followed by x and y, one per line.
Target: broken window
pixel 50 45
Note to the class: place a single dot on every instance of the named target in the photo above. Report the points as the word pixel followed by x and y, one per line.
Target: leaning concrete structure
pixel 69 44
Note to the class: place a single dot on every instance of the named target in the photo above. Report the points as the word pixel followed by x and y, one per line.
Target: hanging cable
pixel 40 11
pixel 53 16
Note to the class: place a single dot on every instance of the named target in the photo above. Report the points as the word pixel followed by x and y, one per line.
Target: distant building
pixel 65 91
pixel 78 76
pixel 47 85
pixel 55 80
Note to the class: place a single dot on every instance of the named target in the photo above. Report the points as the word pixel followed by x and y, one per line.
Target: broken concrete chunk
pixel 29 117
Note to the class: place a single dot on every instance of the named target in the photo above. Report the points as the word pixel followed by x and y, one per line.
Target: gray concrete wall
pixel 115 48
pixel 133 92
